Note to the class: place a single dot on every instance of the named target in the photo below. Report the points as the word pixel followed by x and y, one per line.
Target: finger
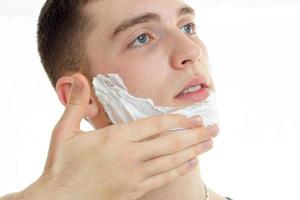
pixel 215 130
pixel 174 142
pixel 150 127
pixel 162 179
pixel 166 163
pixel 69 124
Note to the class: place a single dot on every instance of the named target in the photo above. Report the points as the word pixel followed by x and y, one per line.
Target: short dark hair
pixel 62 30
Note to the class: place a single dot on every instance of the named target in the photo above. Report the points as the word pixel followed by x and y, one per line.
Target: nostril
pixel 184 62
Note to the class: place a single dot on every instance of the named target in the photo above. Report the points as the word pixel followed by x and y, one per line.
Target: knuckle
pixel 138 177
pixel 203 147
pixel 180 120
pixel 183 121
pixel 203 133
pixel 200 149
pixel 114 133
pixel 160 124
pixel 174 160
pixel 108 135
pixel 141 175
pixel 75 101
pixel 128 155
pixel 176 143
pixel 208 144
pixel 192 153
pixel 168 177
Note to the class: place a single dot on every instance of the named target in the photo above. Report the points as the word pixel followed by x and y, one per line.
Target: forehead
pixel 109 13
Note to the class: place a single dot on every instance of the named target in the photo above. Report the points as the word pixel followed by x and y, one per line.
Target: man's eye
pixel 188 28
pixel 140 40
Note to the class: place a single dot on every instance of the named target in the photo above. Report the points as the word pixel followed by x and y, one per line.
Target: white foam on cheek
pixel 122 107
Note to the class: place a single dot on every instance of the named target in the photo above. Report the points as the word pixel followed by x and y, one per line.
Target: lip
pixel 196 96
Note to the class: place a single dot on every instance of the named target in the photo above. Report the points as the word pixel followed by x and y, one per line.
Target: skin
pixel 156 60
pixel 160 62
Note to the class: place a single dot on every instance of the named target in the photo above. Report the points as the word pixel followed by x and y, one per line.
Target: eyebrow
pixel 147 17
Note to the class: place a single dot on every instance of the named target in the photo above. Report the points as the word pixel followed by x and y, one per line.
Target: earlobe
pixel 63 91
pixel 92 109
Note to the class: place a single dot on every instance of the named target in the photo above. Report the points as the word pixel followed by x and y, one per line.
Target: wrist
pixel 40 189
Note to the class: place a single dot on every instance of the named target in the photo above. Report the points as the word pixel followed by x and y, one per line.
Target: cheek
pixel 144 73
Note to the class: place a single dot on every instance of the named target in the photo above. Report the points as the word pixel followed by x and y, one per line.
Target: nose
pixel 185 52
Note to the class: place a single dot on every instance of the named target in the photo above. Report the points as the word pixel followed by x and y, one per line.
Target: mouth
pixel 196 91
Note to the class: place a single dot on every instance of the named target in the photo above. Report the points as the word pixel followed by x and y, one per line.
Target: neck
pixel 186 187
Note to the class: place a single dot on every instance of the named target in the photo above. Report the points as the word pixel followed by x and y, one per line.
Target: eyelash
pixel 193 26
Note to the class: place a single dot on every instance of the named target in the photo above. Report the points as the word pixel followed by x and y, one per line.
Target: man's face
pixel 150 44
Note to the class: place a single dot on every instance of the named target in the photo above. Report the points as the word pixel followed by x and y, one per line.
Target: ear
pixel 63 89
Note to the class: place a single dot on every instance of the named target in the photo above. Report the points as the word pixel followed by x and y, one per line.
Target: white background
pixel 254 50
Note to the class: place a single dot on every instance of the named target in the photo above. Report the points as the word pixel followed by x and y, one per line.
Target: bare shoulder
pixel 10 196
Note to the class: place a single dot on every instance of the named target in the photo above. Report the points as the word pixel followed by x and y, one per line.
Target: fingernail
pixel 214 130
pixel 193 161
pixel 197 120
pixel 77 84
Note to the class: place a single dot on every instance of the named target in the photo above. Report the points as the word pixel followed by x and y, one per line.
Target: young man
pixel 152 45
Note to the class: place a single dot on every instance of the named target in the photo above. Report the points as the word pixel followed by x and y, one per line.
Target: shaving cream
pixel 122 107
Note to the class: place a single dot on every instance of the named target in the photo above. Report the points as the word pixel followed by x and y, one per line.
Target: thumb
pixel 69 124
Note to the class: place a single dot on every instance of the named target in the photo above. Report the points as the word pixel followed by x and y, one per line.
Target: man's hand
pixel 120 162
